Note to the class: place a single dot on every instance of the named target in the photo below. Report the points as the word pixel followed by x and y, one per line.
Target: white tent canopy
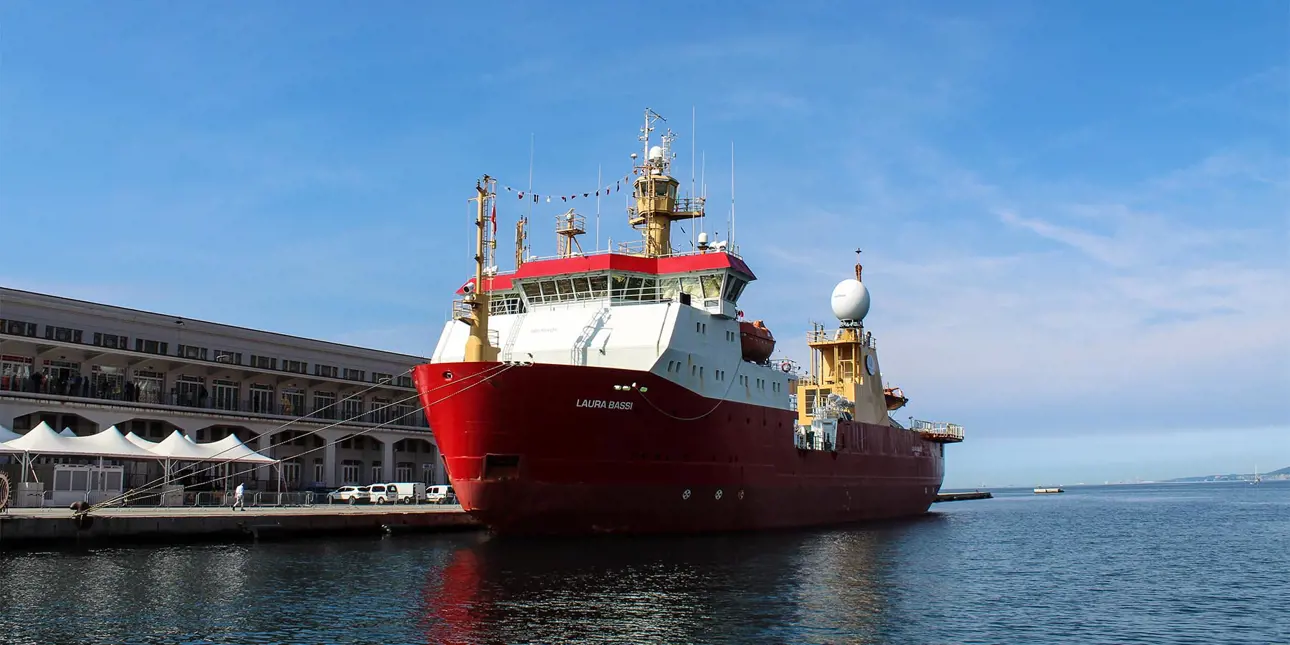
pixel 140 441
pixel 110 443
pixel 42 440
pixel 7 435
pixel 67 432
pixel 231 447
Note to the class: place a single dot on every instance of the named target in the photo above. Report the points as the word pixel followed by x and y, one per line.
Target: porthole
pixel 686 494
pixel 447 375
pixel 718 495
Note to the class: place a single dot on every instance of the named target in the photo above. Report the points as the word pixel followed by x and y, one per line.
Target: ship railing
pixel 638 245
pixel 832 335
pixel 938 430
pixel 634 247
pixel 463 310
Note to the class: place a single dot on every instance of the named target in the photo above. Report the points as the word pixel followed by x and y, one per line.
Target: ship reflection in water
pixel 776 587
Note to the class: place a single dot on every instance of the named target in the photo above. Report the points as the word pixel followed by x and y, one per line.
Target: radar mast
pixel 656 204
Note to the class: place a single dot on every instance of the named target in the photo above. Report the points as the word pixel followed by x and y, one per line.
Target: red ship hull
pixel 555 449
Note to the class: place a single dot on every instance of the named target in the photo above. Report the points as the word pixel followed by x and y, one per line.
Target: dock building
pixel 84 367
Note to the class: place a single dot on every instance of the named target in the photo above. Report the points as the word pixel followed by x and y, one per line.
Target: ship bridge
pixel 711 280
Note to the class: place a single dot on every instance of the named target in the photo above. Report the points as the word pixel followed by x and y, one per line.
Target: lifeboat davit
pixel 756 341
pixel 895 398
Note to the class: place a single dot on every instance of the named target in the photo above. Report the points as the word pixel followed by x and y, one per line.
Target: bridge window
pixel 632 288
pixel 690 285
pixel 506 304
pixel 711 285
pixel 735 287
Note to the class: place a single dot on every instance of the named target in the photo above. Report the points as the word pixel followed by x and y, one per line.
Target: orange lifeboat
pixel 756 341
pixel 895 398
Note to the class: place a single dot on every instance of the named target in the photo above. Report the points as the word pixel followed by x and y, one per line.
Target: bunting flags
pixel 615 187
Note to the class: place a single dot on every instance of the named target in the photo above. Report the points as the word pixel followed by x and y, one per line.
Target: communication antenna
pixel 694 230
pixel 598 207
pixel 703 178
pixel 732 197
pixel 530 200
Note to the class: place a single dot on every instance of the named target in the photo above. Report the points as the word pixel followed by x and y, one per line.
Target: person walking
pixel 237 497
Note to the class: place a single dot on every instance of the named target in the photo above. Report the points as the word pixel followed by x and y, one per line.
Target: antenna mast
pixel 654 190
pixel 473 309
pixel 732 198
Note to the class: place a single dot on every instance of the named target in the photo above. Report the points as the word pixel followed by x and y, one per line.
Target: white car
pixel 440 495
pixel 351 494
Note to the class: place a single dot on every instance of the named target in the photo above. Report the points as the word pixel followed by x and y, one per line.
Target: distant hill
pixel 1283 473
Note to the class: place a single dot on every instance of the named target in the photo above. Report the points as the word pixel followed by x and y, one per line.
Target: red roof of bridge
pixel 714 261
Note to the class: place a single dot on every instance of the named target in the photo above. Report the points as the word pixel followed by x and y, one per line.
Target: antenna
pixel 598 207
pixel 732 197
pixel 530 200
pixel 694 230
pixel 703 178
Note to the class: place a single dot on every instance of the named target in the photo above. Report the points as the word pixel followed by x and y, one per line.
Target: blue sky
pixel 1074 214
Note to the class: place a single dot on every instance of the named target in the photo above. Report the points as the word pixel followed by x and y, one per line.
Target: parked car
pixel 409 492
pixel 351 494
pixel 382 494
pixel 440 495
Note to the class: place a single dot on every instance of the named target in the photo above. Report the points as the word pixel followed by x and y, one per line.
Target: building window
pixel 111 341
pixel 376 472
pixel 319 471
pixel 148 386
pixel 327 371
pixel 381 377
pixel 293 401
pixel 261 400
pixel 18 327
pixel 403 381
pixel 381 411
pixel 298 367
pixel 349 471
pixel 151 346
pixel 403 471
pixel 325 405
pixel 264 362
pixel 227 395
pixel 189 351
pixel 232 358
pixel 351 409
pixel 15 371
pixel 62 334
pixel 403 414
pixel 354 375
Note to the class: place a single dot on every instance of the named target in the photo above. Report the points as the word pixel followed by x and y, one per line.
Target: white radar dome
pixel 850 300
pixel 656 153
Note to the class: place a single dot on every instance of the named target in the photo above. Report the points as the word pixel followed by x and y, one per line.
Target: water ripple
pixel 1094 566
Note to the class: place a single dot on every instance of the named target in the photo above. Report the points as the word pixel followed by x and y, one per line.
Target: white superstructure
pixel 678 318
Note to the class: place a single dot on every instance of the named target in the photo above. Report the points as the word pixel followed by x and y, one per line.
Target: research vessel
pixel 624 391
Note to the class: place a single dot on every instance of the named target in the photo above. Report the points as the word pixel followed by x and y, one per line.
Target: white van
pixel 381 494
pixel 440 495
pixel 407 492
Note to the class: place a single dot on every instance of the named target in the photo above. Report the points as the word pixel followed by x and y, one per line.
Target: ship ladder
pixel 579 354
pixel 513 335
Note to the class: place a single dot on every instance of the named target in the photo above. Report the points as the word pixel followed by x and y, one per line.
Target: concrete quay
pixel 38 527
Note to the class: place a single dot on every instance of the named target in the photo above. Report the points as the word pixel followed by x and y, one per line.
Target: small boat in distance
pixel 1048 491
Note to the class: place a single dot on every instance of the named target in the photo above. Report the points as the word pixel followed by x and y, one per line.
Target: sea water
pixel 1182 563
